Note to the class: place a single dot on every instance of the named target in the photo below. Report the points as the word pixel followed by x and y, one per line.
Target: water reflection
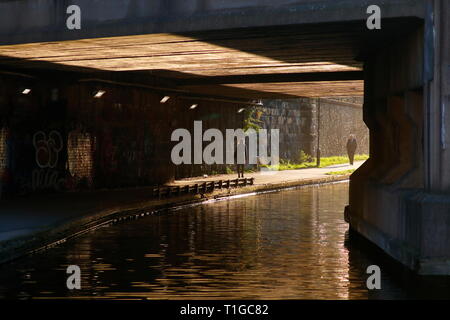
pixel 286 245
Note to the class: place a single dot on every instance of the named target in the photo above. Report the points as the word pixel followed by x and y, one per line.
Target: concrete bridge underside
pixel 399 199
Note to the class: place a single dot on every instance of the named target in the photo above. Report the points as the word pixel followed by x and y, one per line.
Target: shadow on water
pixel 291 244
pixel 398 282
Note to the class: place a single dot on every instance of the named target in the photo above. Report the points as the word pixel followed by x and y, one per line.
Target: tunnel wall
pixel 125 135
pixel 217 115
pixel 60 138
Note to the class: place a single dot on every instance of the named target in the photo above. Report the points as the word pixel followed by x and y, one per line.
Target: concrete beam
pixel 26 21
pixel 273 78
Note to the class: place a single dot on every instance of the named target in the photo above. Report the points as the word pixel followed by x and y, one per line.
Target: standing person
pixel 240 165
pixel 351 147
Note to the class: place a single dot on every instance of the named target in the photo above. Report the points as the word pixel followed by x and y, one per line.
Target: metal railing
pixel 200 188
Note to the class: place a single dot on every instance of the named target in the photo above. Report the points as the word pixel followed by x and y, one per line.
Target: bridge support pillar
pixel 400 198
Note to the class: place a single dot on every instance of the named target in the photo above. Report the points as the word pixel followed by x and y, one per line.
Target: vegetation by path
pixel 333 173
pixel 324 162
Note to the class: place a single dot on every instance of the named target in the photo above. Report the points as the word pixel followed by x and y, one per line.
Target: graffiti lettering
pixel 46 179
pixel 47 148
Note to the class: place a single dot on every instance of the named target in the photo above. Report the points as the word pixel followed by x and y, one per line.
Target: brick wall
pixel 80 160
pixel 297 120
pixel 337 122
pixel 294 118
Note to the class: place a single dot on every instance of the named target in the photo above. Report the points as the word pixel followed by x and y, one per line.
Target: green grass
pixel 324 162
pixel 349 171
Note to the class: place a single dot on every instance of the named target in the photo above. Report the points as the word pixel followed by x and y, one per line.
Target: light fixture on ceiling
pixel 165 99
pixel 99 94
pixel 241 110
pixel 193 106
pixel 26 91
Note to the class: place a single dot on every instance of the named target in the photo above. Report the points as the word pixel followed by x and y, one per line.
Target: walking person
pixel 240 160
pixel 351 147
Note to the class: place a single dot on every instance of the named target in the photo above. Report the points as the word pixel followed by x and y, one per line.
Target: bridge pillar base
pixel 411 226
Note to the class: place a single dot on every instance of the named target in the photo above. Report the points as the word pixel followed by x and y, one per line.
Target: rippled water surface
pixel 285 245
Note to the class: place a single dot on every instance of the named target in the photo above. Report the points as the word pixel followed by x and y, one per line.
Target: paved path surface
pixel 34 215
pixel 262 178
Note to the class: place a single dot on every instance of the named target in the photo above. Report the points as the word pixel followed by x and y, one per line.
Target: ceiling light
pixel 99 94
pixel 193 106
pixel 241 110
pixel 26 91
pixel 165 99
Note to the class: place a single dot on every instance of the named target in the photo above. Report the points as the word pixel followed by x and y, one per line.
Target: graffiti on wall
pixel 43 179
pixel 47 148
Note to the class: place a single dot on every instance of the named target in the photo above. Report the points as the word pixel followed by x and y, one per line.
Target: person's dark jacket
pixel 351 145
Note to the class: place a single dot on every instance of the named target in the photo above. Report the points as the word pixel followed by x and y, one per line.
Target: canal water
pixel 284 245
